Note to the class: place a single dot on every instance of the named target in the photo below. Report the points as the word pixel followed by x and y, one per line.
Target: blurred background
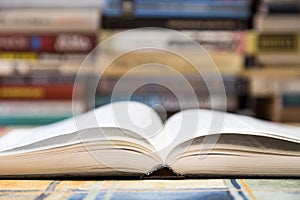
pixel 254 44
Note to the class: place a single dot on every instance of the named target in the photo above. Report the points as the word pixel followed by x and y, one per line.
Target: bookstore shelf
pixel 254 44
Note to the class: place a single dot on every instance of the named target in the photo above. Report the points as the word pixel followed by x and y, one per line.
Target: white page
pixel 183 126
pixel 232 123
pixel 133 116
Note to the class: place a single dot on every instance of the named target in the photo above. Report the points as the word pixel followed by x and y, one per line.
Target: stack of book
pixel 218 26
pixel 42 45
pixel 274 47
pixel 177 14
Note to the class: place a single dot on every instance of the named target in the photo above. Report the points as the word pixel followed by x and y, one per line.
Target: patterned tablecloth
pixel 151 189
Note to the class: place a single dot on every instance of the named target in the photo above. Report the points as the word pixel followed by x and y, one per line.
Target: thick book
pixel 42 107
pixel 271 81
pixel 37 79
pixel 49 20
pixel 43 56
pixel 291 99
pixel 51 43
pixel 50 4
pixel 280 7
pixel 38 92
pixel 178 9
pixel 128 138
pixel 277 110
pixel 233 85
pixel 277 23
pixel 228 63
pixel 38 68
pixel 216 41
pixel 274 48
pixel 170 103
pixel 176 23
pixel 38 112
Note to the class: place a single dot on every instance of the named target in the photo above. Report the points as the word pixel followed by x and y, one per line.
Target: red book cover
pixel 37 92
pixel 51 43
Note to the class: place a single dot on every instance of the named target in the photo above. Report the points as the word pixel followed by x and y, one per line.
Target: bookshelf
pixel 254 44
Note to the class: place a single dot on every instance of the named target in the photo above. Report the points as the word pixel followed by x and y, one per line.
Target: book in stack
pixel 192 14
pixel 41 49
pixel 274 45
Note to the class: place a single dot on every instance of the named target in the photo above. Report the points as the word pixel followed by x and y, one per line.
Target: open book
pixel 129 138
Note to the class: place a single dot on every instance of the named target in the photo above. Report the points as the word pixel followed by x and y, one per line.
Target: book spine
pixel 62 67
pixel 221 41
pixel 37 63
pixel 117 2
pixel 59 43
pixel 290 100
pixel 226 63
pixel 177 9
pixel 290 115
pixel 283 107
pixel 41 79
pixel 19 92
pixel 171 103
pixel 224 3
pixel 50 4
pixel 233 86
pixel 262 88
pixel 40 108
pixel 209 12
pixel 268 108
pixel 214 41
pixel 278 59
pixel 49 20
pixel 273 42
pixel 265 87
pixel 278 42
pixel 31 120
pixel 280 8
pixel 39 56
pixel 273 48
pixel 277 23
pixel 187 24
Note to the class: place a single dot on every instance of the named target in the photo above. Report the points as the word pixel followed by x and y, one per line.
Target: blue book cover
pixel 278 8
pixel 180 9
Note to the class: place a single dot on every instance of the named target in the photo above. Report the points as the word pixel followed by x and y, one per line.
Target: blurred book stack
pixel 42 45
pixel 273 59
pixel 251 46
pixel 177 14
pixel 219 26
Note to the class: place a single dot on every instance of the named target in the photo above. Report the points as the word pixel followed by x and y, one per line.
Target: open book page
pixel 98 154
pixel 133 116
pixel 189 124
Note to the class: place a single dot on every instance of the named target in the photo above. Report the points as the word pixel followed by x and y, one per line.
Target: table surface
pixel 252 189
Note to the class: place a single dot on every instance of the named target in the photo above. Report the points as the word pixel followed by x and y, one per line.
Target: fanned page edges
pixel 229 146
pixel 87 135
pixel 112 153
pixel 238 142
pixel 237 155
